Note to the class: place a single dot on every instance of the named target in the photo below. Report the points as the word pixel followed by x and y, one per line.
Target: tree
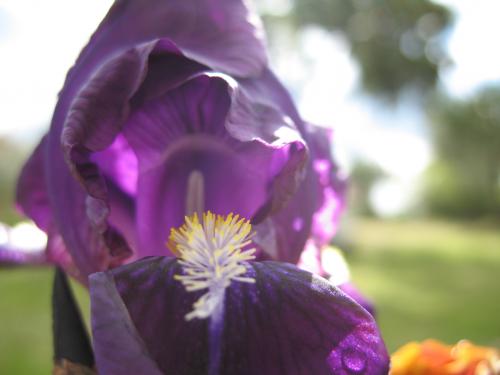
pixel 397 43
pixel 465 180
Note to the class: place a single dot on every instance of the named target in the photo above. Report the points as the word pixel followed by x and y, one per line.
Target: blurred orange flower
pixel 432 357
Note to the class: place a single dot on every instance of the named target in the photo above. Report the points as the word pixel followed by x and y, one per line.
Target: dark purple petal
pixel 288 322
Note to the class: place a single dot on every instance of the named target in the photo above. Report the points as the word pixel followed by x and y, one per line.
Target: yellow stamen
pixel 212 255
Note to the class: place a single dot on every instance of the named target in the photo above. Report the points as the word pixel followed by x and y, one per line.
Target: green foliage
pixel 25 329
pixel 466 179
pixel 396 42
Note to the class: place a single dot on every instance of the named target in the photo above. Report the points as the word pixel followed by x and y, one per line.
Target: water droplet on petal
pixel 353 360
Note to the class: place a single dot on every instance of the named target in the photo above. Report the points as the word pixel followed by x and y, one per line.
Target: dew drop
pixel 354 360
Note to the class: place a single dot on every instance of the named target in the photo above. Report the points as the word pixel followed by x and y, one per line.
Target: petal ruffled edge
pixel 226 35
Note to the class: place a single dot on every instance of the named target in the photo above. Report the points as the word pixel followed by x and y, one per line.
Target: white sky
pixel 474 45
pixel 39 41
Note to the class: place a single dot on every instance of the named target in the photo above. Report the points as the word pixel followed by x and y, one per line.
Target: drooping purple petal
pixel 287 322
pixel 118 348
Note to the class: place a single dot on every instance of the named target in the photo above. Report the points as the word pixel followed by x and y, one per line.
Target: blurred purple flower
pixel 12 252
pixel 169 110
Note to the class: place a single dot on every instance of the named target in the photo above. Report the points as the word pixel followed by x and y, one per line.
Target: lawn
pixel 428 279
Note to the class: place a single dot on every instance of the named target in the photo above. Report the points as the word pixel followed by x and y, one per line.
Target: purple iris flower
pixel 215 311
pixel 171 110
pixel 171 113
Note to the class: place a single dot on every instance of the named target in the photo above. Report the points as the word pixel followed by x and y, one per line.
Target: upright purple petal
pixel 287 322
pixel 248 155
pixel 225 35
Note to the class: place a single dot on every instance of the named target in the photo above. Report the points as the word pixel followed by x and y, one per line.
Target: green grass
pixel 25 320
pixel 428 279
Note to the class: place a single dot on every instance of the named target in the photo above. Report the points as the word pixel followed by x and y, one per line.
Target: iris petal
pixel 208 126
pixel 225 35
pixel 287 322
pixel 31 194
pixel 321 193
pixel 118 349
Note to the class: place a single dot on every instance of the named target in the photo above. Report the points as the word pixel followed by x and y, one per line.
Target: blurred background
pixel 412 91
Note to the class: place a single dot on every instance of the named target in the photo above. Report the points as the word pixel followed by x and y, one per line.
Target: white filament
pixel 212 255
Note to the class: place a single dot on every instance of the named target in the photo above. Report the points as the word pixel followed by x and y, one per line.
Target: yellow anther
pixel 212 254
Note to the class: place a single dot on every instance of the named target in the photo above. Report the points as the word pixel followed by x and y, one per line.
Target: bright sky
pixel 473 45
pixel 39 41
